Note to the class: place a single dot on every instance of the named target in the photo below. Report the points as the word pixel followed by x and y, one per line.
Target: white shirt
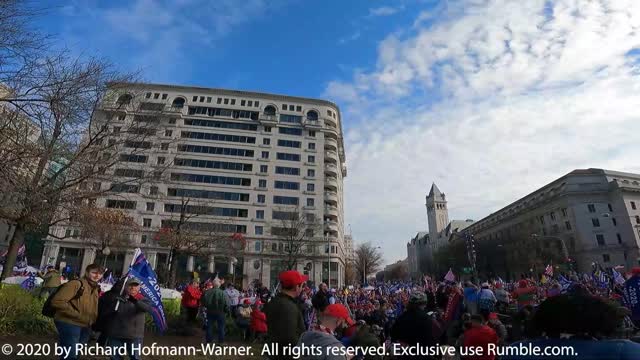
pixel 233 296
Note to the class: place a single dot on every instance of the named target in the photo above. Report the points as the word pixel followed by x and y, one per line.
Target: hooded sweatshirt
pixel 323 340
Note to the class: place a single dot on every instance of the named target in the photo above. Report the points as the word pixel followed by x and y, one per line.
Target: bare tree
pixel 294 228
pixel 350 273
pixel 184 234
pixel 368 259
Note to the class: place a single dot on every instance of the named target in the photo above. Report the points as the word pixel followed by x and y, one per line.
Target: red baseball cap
pixel 339 311
pixel 247 301
pixel 635 270
pixel 493 316
pixel 291 278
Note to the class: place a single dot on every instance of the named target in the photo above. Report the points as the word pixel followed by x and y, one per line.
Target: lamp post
pixel 105 252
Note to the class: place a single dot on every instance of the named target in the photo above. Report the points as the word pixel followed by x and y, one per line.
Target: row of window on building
pixel 260 199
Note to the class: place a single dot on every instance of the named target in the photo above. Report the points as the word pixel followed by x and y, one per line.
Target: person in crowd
pixel 215 303
pixel 233 298
pixel 502 297
pixel 334 316
pixel 76 309
pixel 321 299
pixel 243 317
pixel 191 300
pixel 553 290
pixel 493 321
pixel 470 293
pixel 258 325
pixel 124 327
pixel 524 294
pixel 285 322
pixel 486 300
pixel 479 335
pixel 414 326
pixel 582 322
pixel 51 281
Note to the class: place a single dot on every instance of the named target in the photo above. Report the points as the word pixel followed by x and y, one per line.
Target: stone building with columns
pixel 248 157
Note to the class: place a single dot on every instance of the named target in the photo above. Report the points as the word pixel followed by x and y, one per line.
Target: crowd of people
pixel 593 316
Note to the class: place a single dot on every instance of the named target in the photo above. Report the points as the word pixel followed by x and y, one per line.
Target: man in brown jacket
pixel 76 305
pixel 51 281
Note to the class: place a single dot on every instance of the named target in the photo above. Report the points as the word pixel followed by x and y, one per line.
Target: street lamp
pixel 105 252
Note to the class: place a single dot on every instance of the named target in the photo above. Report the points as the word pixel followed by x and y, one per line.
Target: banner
pixel 631 296
pixel 141 269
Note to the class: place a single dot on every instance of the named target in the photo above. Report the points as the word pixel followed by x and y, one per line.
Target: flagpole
pixel 136 252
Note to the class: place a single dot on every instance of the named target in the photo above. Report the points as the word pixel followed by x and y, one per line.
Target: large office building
pixel 249 159
pixel 585 217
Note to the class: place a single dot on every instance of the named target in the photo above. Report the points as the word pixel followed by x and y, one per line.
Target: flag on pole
pixel 617 277
pixel 450 276
pixel 141 269
pixel 564 283
pixel 548 271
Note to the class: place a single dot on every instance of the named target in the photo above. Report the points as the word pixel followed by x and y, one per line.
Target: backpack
pixel 49 311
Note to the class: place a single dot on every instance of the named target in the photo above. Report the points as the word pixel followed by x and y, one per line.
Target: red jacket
pixel 258 321
pixel 191 296
pixel 480 336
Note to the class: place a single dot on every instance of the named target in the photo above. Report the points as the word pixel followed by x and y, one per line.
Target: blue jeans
pixel 219 319
pixel 133 354
pixel 69 335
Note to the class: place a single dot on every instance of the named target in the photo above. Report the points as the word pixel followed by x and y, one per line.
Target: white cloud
pixel 491 101
pixel 353 37
pixel 384 11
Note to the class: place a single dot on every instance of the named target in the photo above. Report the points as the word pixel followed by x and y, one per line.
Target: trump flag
pixel 141 269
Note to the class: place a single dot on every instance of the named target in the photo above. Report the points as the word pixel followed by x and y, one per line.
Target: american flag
pixel 564 283
pixel 617 277
pixel 450 276
pixel 548 271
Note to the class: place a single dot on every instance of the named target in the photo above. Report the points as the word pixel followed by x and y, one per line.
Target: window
pixel 267 129
pixel 160 160
pixel 233 101
pixel 285 200
pixel 610 207
pixel 265 154
pixel 164 96
pixel 206 210
pixel 311 187
pixel 288 157
pixel 143 238
pixel 262 183
pixel 146 223
pixel 326 249
pixel 127 188
pixel 567 224
pixel 242 102
pixel 224 165
pixel 312 146
pixel 156 95
pixel 633 205
pixel 205 194
pixel 310 202
pixel 250 102
pixel 151 206
pixel 595 222
pixel 312 115
pixel 290 143
pixel 211 179
pixel 614 221
pixel 312 133
pixel 311 173
pixel 218 137
pixel 274 247
pixel 172 121
pixel 552 215
pixel 261 199
pixel 299 108
pixel 619 238
pixel 291 119
pixel 266 141
pixel 164 146
pixel 283 170
pixel 592 208
pixel 121 204
pixel 148 95
pixel 257 103
pixel 637 219
pixel 311 159
pixel 168 133
pixel 284 215
pixel 263 168
pixel 600 239
pixel 284 106
pixel 208 99
pixel 287 185
pixel 153 190
pixel 226 101
pixel 259 214
pixel 215 150
pixel 290 131
pixel 133 158
pixel 606 258
pixel 195 98
pixel 259 231
pixel 219 101
pixel 121 117
pixel 129 173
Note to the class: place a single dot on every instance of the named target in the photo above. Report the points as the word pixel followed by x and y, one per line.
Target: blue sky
pixel 491 99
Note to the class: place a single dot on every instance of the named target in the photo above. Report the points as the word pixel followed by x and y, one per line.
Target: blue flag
pixel 141 269
pixel 631 296
pixel 29 283
pixel 565 284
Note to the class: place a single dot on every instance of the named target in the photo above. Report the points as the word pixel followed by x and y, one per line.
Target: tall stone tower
pixel 437 213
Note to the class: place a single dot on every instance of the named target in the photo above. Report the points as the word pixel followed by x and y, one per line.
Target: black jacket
pixel 285 323
pixel 413 327
pixel 128 321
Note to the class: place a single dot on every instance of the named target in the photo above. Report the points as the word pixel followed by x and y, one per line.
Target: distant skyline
pixel 489 99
